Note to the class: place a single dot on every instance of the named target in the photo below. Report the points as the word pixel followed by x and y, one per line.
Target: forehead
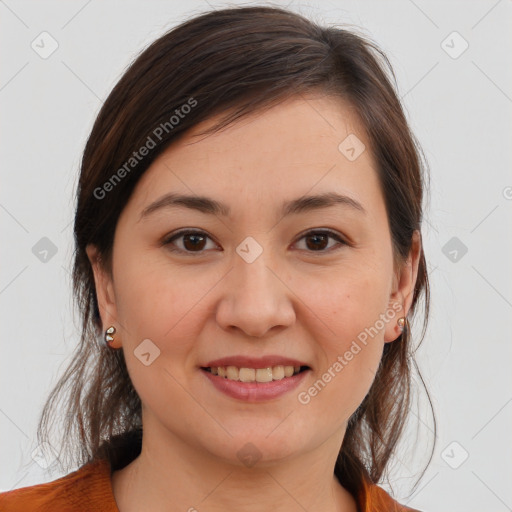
pixel 294 148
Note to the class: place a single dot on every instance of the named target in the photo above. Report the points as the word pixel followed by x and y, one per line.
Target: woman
pixel 248 257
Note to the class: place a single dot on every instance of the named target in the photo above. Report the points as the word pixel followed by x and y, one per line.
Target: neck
pixel 176 476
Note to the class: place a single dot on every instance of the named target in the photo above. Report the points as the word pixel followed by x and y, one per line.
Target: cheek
pixel 157 298
pixel 349 340
pixel 347 319
pixel 164 307
pixel 169 307
pixel 348 299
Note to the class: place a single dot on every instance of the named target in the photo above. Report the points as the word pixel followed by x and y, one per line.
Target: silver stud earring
pixel 401 323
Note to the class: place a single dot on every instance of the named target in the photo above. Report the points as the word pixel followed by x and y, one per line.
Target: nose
pixel 255 298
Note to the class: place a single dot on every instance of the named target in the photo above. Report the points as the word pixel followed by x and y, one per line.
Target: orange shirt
pixel 89 489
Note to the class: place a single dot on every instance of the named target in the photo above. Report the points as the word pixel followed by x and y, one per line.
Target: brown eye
pixel 192 242
pixel 318 241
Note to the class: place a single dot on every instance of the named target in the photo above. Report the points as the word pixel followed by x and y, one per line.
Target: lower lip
pixel 255 391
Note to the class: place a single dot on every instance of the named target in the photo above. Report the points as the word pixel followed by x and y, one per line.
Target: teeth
pixel 288 371
pixel 254 375
pixel 278 373
pixel 232 372
pixel 264 375
pixel 247 374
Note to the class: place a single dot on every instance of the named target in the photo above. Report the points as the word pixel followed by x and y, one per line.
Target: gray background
pixel 459 106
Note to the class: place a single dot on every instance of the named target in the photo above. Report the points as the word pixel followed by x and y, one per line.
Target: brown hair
pixel 233 61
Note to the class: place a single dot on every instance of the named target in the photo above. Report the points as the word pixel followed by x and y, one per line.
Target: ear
pixel 104 291
pixel 402 294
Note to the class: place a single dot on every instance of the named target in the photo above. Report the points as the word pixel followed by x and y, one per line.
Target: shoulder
pixel 377 499
pixel 87 488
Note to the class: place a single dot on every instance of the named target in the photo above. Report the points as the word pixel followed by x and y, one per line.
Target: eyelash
pixel 332 234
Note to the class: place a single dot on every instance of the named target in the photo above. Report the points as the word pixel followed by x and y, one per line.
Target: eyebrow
pixel 212 207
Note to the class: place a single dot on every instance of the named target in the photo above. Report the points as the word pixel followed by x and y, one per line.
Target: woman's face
pixel 259 283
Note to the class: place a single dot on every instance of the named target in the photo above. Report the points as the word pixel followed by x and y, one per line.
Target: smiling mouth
pixel 269 374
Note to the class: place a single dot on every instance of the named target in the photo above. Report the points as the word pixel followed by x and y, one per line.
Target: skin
pixel 292 300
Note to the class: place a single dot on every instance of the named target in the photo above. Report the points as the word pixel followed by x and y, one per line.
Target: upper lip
pixel 254 362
